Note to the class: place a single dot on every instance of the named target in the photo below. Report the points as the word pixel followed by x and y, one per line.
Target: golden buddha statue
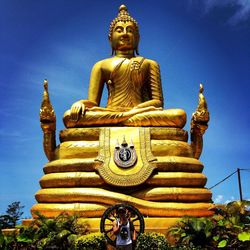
pixel 132 151
pixel 133 82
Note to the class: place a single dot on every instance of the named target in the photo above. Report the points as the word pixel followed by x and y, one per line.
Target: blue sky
pixel 193 41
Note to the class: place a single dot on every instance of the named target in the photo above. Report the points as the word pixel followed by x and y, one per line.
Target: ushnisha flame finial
pixel 123 12
pixel 201 88
pixel 123 8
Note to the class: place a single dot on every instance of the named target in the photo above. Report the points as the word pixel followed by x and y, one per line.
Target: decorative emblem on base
pixel 140 165
pixel 124 154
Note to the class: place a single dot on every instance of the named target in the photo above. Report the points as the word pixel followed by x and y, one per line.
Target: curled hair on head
pixel 123 16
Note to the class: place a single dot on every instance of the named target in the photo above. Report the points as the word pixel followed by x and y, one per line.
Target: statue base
pixel 165 182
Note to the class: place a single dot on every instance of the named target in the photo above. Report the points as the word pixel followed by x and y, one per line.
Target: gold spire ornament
pixel 199 124
pixel 47 113
pixel 48 123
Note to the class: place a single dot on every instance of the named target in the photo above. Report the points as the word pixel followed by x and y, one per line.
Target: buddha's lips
pixel 125 40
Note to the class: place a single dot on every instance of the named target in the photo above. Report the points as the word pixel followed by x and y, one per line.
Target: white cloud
pixel 241 13
pixel 218 198
pixel 17 136
pixel 232 198
pixel 14 113
pixel 5 133
pixel 68 74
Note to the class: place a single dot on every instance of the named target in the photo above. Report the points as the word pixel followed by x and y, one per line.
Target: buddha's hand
pixel 77 109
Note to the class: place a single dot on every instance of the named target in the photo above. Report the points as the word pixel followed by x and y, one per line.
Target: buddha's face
pixel 124 36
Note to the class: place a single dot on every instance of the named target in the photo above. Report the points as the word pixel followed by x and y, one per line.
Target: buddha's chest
pixel 130 75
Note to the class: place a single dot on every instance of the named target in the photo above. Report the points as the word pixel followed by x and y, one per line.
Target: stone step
pixel 90 149
pixel 171 148
pixel 71 165
pixel 92 134
pixel 174 194
pixel 77 149
pixel 89 179
pixel 163 163
pixel 71 179
pixel 178 164
pixel 89 204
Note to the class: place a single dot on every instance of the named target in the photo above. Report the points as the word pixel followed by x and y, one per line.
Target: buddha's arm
pixel 154 87
pixel 94 95
pixel 96 84
pixel 102 116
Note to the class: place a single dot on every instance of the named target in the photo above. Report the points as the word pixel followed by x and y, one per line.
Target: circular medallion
pixel 125 155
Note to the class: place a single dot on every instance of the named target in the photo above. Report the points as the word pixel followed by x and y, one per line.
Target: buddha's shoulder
pixel 102 62
pixel 105 63
pixel 150 62
pixel 110 63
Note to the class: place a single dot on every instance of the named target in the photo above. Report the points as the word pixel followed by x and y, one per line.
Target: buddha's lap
pixel 169 117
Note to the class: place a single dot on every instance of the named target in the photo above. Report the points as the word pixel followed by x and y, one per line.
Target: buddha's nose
pixel 125 33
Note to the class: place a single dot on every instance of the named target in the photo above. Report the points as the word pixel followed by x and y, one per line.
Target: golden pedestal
pixel 165 184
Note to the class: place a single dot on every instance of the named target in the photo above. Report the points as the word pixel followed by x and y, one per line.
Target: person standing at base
pixel 124 230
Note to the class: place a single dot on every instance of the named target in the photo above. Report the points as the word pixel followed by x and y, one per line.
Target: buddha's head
pixel 124 32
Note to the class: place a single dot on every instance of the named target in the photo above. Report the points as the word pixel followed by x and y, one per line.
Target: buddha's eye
pixel 118 30
pixel 130 30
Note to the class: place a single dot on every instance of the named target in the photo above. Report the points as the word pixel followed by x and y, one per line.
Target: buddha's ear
pixel 110 42
pixel 137 51
pixel 137 45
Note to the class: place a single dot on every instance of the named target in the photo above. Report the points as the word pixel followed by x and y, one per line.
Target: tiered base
pixel 74 181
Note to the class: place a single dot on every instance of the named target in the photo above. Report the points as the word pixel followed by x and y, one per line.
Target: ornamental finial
pixel 47 114
pixel 123 8
pixel 123 12
pixel 199 124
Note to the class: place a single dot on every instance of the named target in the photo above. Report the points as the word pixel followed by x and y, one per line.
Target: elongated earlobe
pixel 136 51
